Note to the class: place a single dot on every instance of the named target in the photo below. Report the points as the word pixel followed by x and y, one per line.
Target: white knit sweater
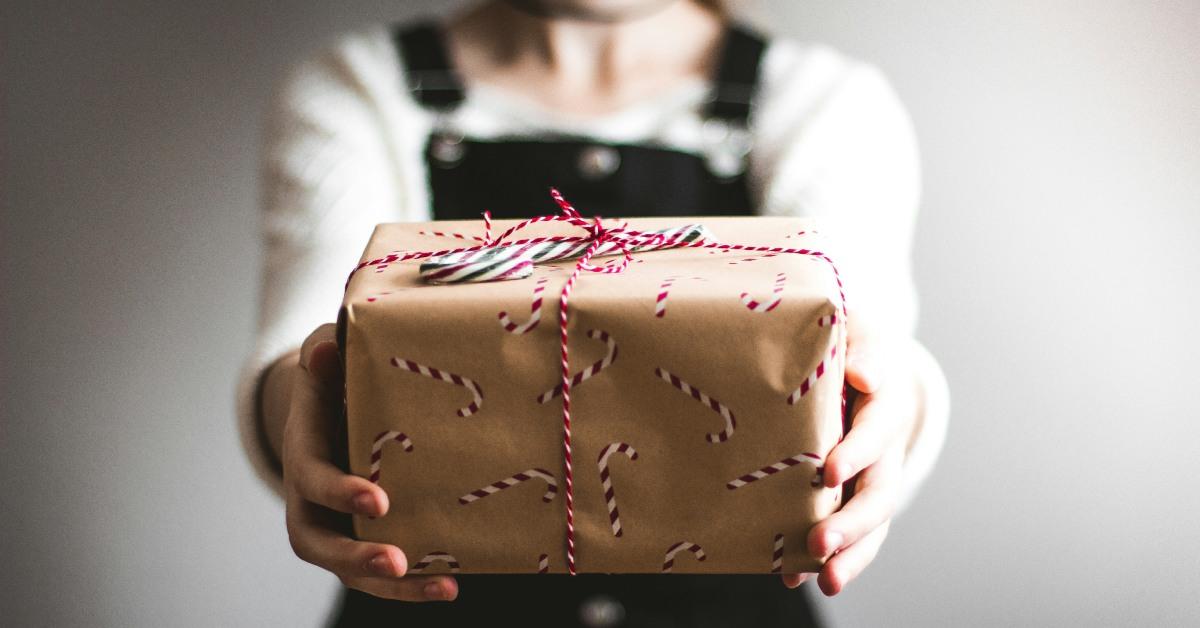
pixel 344 151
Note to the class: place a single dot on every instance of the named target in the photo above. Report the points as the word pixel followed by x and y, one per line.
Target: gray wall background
pixel 1057 256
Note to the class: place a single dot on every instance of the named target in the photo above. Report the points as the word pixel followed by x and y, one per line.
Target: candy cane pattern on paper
pixel 812 378
pixel 602 462
pixel 457 380
pixel 776 467
pixel 590 371
pixel 777 555
pixel 377 450
pixel 502 262
pixel 695 393
pixel 772 302
pixel 664 290
pixel 669 560
pixel 513 480
pixel 750 259
pixel 535 312
pixel 435 557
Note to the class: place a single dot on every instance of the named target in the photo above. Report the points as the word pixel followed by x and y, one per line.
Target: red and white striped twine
pixel 544 563
pixel 812 378
pixel 776 467
pixel 456 236
pixel 800 233
pixel 457 380
pixel 698 395
pixel 669 559
pixel 510 263
pixel 828 320
pixel 589 372
pixel 777 555
pixel 435 557
pixel 513 480
pixel 772 302
pixel 610 499
pixel 535 312
pixel 377 450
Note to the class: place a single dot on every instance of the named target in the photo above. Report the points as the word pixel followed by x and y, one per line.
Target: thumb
pixel 865 353
pixel 319 355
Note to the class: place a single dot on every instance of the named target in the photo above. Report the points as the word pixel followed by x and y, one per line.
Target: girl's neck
pixel 584 65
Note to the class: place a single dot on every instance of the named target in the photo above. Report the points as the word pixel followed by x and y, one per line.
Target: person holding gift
pixel 631 107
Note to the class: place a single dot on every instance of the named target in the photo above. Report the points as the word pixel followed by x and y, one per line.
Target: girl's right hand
pixel 319 494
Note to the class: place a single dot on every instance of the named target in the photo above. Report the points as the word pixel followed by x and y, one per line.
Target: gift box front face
pixel 706 391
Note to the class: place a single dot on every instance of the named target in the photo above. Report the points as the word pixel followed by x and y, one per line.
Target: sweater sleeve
pixel 835 142
pixel 327 177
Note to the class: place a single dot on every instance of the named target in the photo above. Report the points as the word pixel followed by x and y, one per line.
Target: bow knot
pixel 596 229
pixel 500 258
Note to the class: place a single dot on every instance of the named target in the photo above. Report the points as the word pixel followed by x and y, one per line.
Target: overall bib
pixel 511 177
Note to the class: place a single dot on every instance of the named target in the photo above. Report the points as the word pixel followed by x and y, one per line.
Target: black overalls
pixel 511 178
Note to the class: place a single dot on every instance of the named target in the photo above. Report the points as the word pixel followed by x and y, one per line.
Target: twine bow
pixel 496 259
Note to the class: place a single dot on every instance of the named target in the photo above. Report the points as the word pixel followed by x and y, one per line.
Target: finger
pixel 876 424
pixel 324 334
pixel 846 565
pixel 319 481
pixel 793 580
pixel 325 367
pixel 319 359
pixel 307 462
pixel 310 421
pixel 314 539
pixel 873 504
pixel 409 588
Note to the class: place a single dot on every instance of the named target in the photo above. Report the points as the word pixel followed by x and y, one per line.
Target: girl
pixel 631 107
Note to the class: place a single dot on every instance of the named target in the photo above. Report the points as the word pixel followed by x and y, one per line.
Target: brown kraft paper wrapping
pixel 406 427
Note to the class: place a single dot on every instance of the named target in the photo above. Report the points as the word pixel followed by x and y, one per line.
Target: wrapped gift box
pixel 707 389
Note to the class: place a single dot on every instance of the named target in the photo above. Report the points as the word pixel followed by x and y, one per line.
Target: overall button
pixel 726 148
pixel 598 162
pixel 447 150
pixel 601 611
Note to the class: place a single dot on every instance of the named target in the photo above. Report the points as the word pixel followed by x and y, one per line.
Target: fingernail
pixel 800 578
pixel 382 565
pixel 433 591
pixel 833 542
pixel 364 502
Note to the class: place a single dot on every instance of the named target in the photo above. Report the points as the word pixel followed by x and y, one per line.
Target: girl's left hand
pixel 874 449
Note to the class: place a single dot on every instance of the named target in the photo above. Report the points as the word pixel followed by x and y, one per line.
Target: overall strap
pixel 432 80
pixel 737 76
